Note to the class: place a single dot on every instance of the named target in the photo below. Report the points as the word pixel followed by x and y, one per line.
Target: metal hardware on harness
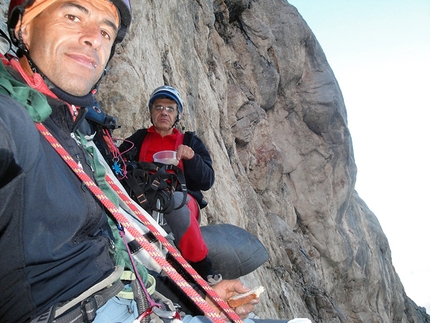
pixel 166 314
pixel 148 312
pixel 89 308
pixel 163 314
pixel 159 216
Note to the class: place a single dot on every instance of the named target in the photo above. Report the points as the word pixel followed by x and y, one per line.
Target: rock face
pixel 259 92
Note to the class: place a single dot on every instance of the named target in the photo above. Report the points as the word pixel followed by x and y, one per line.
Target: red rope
pixel 174 252
pixel 167 267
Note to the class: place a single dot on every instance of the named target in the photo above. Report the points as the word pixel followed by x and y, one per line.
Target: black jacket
pixel 198 171
pixel 53 231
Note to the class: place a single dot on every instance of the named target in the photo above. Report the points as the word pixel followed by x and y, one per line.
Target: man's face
pixel 70 42
pixel 163 114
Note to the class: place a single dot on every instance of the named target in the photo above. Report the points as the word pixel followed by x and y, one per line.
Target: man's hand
pixel 228 288
pixel 184 152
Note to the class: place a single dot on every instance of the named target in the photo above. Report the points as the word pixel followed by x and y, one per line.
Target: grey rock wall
pixel 259 92
pixel 262 96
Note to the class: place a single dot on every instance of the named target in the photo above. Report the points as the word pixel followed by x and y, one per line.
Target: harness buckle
pixel 89 309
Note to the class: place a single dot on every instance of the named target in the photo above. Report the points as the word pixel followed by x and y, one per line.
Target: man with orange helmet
pixel 55 234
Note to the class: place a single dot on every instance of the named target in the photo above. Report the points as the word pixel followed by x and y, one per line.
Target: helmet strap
pixel 22 49
pixel 81 101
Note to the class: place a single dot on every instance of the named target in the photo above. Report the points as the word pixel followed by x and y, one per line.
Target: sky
pixel 379 51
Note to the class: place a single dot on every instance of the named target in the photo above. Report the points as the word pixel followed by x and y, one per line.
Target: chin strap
pixel 155 254
pixel 81 101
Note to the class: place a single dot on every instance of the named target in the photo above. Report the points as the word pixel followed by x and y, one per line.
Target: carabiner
pixel 149 311
pixel 174 315
pixel 120 227
pixel 167 314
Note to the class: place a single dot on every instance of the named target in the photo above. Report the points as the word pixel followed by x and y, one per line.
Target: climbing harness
pixel 127 225
pixel 84 306
pixel 153 186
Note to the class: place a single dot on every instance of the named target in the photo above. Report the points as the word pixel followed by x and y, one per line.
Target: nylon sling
pixel 125 223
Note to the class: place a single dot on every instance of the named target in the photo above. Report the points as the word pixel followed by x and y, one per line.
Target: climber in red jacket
pixel 166 108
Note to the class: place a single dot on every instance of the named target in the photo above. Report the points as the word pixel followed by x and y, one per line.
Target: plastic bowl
pixel 167 157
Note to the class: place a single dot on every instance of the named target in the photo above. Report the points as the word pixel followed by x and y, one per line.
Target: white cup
pixel 167 157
